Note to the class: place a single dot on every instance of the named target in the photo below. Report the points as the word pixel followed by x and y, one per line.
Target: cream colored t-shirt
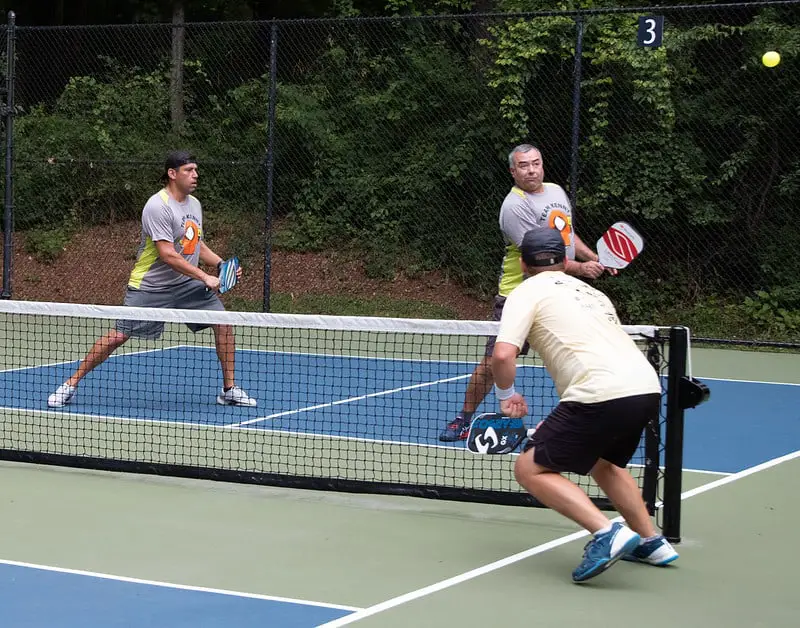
pixel 576 331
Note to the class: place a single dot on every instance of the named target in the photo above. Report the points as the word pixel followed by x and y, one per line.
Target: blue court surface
pixel 745 423
pixel 36 597
pixel 381 399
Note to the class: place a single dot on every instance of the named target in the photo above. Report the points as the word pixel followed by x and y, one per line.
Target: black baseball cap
pixel 543 247
pixel 175 160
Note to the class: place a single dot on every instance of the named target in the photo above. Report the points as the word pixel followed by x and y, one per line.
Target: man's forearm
pixel 177 263
pixel 583 252
pixel 207 256
pixel 504 364
pixel 572 267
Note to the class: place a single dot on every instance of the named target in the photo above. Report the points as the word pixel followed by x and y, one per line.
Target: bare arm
pixel 504 369
pixel 207 256
pixel 173 259
pixel 589 267
pixel 583 252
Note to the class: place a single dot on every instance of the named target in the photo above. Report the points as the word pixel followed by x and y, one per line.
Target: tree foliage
pixel 391 139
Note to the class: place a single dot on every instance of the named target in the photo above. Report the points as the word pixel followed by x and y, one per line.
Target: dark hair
pixel 175 160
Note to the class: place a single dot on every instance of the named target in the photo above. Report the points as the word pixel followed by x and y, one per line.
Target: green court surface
pixel 401 561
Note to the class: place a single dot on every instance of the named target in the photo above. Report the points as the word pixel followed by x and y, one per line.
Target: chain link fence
pixel 386 141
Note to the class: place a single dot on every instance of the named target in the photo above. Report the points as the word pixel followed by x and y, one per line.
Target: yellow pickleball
pixel 771 59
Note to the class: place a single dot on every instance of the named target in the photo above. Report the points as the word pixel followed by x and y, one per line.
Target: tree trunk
pixel 176 74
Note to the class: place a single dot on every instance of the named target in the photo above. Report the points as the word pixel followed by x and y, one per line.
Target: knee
pixel 116 338
pixel 604 469
pixel 525 467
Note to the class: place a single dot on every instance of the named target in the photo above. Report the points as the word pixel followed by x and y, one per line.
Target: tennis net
pixel 343 403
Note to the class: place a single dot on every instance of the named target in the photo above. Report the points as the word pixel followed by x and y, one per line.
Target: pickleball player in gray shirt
pixel 167 274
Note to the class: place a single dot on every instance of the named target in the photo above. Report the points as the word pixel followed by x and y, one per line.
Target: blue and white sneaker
pixel 458 429
pixel 657 551
pixel 604 550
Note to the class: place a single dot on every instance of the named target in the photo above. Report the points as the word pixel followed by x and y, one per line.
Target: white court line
pixel 349 400
pixel 294 433
pixel 216 426
pixel 706 471
pixel 745 381
pixel 259 430
pixel 59 412
pixel 723 473
pixel 480 571
pixel 121 354
pixel 182 587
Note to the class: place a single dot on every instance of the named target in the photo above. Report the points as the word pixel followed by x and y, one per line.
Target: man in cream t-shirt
pixel 609 392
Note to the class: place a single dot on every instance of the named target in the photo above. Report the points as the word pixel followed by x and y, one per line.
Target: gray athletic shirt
pixel 164 218
pixel 522 211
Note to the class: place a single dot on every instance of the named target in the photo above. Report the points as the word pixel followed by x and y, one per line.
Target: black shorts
pixel 497 312
pixel 576 435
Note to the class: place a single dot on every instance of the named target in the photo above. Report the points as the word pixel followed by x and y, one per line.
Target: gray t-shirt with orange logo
pixel 164 218
pixel 522 211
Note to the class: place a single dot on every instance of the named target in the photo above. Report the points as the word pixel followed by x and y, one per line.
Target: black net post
pixel 673 449
pixel 652 441
pixel 8 125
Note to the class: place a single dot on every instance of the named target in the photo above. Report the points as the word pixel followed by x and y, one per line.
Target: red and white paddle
pixel 619 246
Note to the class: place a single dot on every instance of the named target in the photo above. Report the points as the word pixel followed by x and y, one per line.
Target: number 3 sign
pixel 651 30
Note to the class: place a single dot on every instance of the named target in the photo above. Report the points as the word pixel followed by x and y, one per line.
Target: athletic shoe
pixel 63 395
pixel 657 551
pixel 457 430
pixel 604 550
pixel 235 396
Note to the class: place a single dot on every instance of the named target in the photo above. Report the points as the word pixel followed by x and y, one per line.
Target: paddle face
pixel 227 274
pixel 619 246
pixel 492 433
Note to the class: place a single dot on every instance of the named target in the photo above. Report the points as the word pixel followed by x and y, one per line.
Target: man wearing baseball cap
pixel 608 393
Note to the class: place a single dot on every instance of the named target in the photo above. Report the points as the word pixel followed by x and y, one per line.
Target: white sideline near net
pixel 267 319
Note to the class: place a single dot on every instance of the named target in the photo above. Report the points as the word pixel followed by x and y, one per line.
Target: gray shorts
pixel 497 313
pixel 191 295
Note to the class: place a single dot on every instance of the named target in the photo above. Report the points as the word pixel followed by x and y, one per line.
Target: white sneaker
pixel 656 551
pixel 235 396
pixel 63 395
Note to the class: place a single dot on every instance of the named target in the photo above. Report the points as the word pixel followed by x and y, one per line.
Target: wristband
pixel 504 393
pixel 219 265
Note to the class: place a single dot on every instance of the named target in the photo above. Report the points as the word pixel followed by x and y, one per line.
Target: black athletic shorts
pixel 497 312
pixel 576 435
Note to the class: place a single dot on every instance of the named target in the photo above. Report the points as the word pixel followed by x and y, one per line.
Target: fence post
pixel 273 81
pixel 576 111
pixel 176 108
pixel 8 114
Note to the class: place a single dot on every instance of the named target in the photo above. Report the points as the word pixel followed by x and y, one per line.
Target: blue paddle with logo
pixel 227 274
pixel 492 433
